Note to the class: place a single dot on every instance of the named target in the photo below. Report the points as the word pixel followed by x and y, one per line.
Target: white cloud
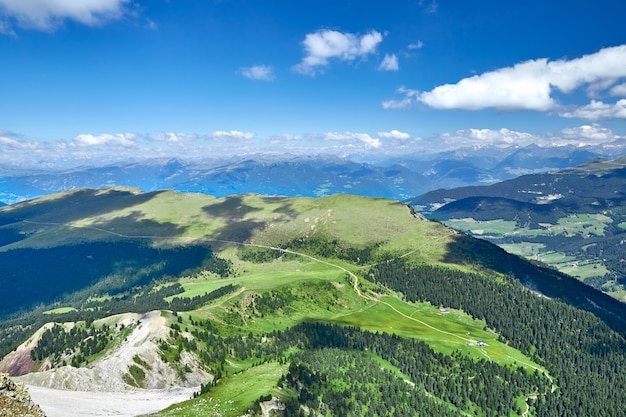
pixel 416 45
pixel 619 90
pixel 186 139
pixel 595 89
pixel 322 46
pixel 593 133
pixel 578 136
pixel 48 14
pixel 259 72
pixel 482 137
pixel 396 104
pixel 173 138
pixel 353 138
pixel 606 64
pixel 529 85
pixel 598 110
pixel 7 144
pixel 390 63
pixel 105 139
pixel 522 87
pixel 284 138
pixel 394 134
pixel 410 96
pixel 233 135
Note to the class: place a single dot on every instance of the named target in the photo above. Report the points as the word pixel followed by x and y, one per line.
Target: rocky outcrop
pixel 138 349
pixel 15 400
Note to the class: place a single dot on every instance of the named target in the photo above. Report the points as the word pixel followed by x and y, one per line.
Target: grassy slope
pixel 320 289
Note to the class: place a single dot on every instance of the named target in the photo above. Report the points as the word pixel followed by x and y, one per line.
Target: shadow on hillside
pixel 233 210
pixel 74 206
pixel 133 226
pixel 285 208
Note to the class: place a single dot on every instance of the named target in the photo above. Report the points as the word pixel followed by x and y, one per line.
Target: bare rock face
pixel 15 400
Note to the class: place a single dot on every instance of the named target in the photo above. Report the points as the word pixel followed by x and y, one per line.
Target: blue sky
pixel 93 81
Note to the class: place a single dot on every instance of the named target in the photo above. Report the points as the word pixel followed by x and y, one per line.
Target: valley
pixel 570 219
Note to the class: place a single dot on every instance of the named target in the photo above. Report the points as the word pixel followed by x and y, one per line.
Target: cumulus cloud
pixel 524 86
pixel 324 45
pixel 394 134
pixel 353 138
pixel 105 139
pixel 233 135
pixel 259 72
pixel 590 133
pixel 390 63
pixel 48 14
pixel 598 110
pixel 482 137
pixel 173 138
pixel 531 85
pixel 584 135
pixel 619 90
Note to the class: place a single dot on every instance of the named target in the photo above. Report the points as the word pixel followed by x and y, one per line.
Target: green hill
pixel 341 305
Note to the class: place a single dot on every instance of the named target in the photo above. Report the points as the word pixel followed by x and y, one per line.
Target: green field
pixel 232 396
pixel 59 310
pixel 581 225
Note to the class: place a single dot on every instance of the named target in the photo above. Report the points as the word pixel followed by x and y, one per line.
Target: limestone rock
pixel 15 400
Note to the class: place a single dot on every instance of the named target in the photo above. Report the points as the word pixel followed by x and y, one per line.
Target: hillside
pixel 572 219
pixel 341 305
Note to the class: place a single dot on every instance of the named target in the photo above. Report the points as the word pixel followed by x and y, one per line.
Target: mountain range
pixel 338 305
pixel 398 178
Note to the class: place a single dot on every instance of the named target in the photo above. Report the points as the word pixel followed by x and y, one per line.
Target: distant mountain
pixel 310 176
pixel 573 219
pixel 268 175
pixel 488 165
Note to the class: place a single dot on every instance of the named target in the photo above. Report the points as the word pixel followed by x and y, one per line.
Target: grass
pixel 60 310
pixel 477 227
pixel 322 292
pixel 135 376
pixel 444 332
pixel 233 395
pixel 584 225
pixel 260 277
